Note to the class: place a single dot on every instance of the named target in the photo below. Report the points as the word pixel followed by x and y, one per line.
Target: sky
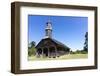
pixel 70 30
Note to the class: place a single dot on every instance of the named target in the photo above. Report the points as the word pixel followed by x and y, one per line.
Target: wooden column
pixel 56 52
pixel 48 52
pixel 37 55
pixel 42 52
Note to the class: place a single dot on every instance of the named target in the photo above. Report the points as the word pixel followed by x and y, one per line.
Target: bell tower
pixel 48 29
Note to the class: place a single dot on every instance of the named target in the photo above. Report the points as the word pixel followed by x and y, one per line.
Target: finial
pixel 49 21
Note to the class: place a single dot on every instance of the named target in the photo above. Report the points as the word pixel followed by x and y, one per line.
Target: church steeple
pixel 48 29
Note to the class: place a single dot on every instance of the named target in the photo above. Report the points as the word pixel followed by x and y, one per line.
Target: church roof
pixel 60 43
pixel 56 42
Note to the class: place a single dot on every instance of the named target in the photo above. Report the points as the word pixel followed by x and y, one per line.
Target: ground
pixel 69 56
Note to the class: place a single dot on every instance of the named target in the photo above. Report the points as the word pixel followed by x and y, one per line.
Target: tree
pixel 31 48
pixel 32 44
pixel 86 42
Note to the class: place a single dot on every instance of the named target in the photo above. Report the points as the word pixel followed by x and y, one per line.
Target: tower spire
pixel 48 29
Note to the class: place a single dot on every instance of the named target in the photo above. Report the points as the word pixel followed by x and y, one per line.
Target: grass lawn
pixel 68 56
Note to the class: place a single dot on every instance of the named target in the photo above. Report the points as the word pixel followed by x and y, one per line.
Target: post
pixel 48 53
pixel 42 52
pixel 37 53
pixel 56 52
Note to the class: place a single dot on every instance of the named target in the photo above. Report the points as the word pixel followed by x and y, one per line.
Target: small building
pixel 50 47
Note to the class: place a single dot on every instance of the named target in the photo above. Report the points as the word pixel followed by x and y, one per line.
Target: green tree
pixel 86 42
pixel 31 48
pixel 31 44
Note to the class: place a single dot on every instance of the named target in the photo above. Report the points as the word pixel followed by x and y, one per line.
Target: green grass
pixel 69 56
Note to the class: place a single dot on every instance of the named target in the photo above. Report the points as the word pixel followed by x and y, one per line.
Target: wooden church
pixel 49 47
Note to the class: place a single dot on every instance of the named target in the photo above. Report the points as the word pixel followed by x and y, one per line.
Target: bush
pixel 31 51
pixel 79 52
pixel 84 52
pixel 71 52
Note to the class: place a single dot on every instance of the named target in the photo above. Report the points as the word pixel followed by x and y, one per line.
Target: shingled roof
pixel 59 43
pixel 56 42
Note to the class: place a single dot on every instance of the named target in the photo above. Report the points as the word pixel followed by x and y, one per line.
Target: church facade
pixel 49 47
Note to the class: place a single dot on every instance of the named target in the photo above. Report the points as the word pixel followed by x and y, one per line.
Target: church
pixel 50 47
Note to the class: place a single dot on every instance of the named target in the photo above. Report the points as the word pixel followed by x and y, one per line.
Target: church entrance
pixel 52 52
pixel 45 51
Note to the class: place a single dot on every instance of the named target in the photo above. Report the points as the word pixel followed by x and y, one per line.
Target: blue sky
pixel 69 30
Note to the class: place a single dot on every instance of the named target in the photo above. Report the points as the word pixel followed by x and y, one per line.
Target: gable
pixel 45 43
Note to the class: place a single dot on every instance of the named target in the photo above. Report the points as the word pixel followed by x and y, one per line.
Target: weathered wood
pixel 42 52
pixel 48 52
pixel 56 51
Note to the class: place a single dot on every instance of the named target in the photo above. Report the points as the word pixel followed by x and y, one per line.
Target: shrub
pixel 84 52
pixel 31 51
